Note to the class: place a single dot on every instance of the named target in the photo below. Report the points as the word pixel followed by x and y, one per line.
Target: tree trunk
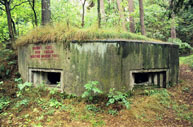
pixel 173 28
pixel 83 13
pixel 99 13
pixel 35 17
pixel 32 5
pixel 102 10
pixel 121 15
pixel 10 27
pixel 142 17
pixel 14 28
pixel 46 12
pixel 131 19
pixel 34 11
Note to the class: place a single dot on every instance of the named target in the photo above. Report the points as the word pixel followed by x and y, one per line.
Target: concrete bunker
pixel 119 64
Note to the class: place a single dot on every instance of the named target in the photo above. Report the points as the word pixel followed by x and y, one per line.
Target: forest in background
pixel 159 19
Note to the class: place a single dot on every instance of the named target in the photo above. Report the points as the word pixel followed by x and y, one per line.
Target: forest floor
pixel 171 107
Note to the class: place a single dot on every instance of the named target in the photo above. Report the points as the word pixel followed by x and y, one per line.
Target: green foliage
pixel 41 87
pixel 150 92
pixel 65 11
pixel 93 108
pixel 54 103
pixel 157 23
pixel 91 90
pixel 23 102
pixel 4 34
pixel 8 62
pixel 4 102
pixel 164 97
pixel 112 112
pixel 186 90
pixel 185 27
pixel 162 92
pixel 187 60
pixel 23 87
pixel 115 97
pixel 182 111
pixel 184 48
pixel 53 91
pixel 70 96
pixel 18 80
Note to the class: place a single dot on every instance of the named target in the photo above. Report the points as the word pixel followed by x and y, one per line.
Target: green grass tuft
pixel 187 60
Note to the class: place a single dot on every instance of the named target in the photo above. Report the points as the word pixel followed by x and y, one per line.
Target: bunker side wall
pixel 40 56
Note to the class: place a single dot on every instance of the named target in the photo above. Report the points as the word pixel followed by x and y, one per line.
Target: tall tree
pixel 122 18
pixel 32 5
pixel 99 13
pixel 11 24
pixel 173 27
pixel 102 7
pixel 46 12
pixel 83 12
pixel 7 9
pixel 142 17
pixel 131 19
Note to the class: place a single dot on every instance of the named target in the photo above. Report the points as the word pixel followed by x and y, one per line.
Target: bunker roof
pixel 66 33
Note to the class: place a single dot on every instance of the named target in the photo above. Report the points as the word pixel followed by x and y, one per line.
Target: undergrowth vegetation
pixel 8 63
pixel 187 60
pixel 66 33
pixel 47 105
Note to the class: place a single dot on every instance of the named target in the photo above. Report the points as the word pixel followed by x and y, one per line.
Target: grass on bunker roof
pixel 65 33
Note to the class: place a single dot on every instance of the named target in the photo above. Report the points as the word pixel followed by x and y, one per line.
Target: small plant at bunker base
pixel 53 91
pixel 117 97
pixel 18 80
pixel 23 87
pixel 91 90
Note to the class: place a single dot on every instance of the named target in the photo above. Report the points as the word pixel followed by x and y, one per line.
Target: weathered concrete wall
pixel 109 62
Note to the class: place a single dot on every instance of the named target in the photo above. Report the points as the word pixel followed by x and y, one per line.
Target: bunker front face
pixel 119 64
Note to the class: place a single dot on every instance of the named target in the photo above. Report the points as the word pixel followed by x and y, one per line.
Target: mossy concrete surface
pixel 107 61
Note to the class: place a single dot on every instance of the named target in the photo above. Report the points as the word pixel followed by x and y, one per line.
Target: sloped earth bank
pixel 168 108
pixel 152 114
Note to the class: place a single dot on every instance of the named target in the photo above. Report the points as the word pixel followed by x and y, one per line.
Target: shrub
pixel 23 87
pixel 23 102
pixel 54 103
pixel 184 48
pixel 4 102
pixel 115 97
pixel 91 90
